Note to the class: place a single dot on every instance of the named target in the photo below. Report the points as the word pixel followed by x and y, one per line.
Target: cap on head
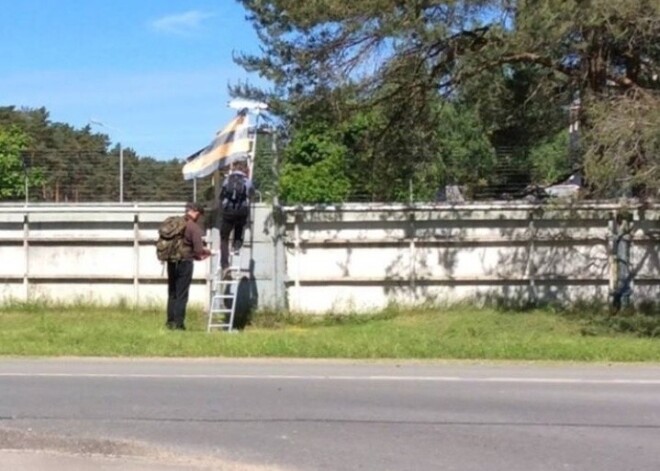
pixel 193 206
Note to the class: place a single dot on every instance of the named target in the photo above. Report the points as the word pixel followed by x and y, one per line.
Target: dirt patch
pixel 11 439
pixel 26 444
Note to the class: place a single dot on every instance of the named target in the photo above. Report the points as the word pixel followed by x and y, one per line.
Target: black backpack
pixel 234 194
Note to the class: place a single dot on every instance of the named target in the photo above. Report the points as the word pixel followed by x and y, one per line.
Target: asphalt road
pixel 322 415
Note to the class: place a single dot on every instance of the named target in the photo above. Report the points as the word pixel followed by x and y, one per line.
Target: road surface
pixel 329 415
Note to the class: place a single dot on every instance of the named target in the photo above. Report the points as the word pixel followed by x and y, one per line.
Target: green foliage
pixel 623 146
pixel 515 66
pixel 263 173
pixel 550 159
pixel 11 168
pixel 68 164
pixel 451 332
pixel 385 162
pixel 638 324
pixel 643 321
pixel 13 174
pixel 465 151
pixel 314 169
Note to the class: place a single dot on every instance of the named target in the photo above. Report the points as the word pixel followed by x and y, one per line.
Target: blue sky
pixel 155 72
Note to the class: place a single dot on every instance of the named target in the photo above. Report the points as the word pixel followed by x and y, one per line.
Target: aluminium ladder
pixel 224 290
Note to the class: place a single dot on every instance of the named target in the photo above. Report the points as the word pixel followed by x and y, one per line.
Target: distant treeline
pixel 60 163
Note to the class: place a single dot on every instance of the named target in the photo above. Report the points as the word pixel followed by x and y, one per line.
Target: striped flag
pixel 230 144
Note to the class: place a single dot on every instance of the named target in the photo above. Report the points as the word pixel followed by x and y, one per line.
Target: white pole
pixel 121 173
pixel 27 183
pixel 253 153
pixel 296 251
pixel 274 167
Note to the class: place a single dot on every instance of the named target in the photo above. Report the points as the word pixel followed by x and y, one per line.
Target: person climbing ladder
pixel 235 196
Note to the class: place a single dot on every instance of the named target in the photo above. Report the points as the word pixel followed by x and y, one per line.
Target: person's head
pixel 240 165
pixel 194 210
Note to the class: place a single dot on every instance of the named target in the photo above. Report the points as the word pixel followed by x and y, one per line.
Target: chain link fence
pixel 96 177
pixel 73 177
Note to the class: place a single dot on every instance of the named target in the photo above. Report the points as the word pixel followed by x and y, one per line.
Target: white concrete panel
pixel 148 234
pixel 472 230
pixel 12 259
pixel 80 233
pixel 158 217
pixel 330 233
pixel 477 248
pixel 470 262
pixel 11 227
pixel 344 299
pixel 11 217
pixel 572 261
pixel 643 293
pixel 262 255
pixel 646 260
pixel 150 266
pixel 81 260
pixel 82 217
pixel 13 234
pixel 514 293
pixel 150 294
pixel 264 224
pixel 553 232
pixel 82 292
pixel 11 292
pixel 357 262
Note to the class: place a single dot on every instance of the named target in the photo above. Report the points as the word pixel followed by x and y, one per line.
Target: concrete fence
pixel 354 257
pixel 105 253
pixel 359 257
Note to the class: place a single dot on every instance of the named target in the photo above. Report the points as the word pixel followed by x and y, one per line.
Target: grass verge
pixel 452 333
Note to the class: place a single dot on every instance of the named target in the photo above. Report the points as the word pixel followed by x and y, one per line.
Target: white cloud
pixel 182 24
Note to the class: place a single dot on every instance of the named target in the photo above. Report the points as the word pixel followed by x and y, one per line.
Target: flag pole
pixel 255 107
pixel 253 151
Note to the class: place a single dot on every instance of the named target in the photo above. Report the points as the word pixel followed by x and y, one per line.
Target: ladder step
pixel 218 294
pixel 222 299
pixel 227 282
pixel 221 309
pixel 236 271
pixel 223 291
pixel 221 288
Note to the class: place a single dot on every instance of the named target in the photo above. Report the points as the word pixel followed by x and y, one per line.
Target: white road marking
pixel 421 379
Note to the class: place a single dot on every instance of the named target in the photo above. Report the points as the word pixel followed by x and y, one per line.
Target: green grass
pixel 452 333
